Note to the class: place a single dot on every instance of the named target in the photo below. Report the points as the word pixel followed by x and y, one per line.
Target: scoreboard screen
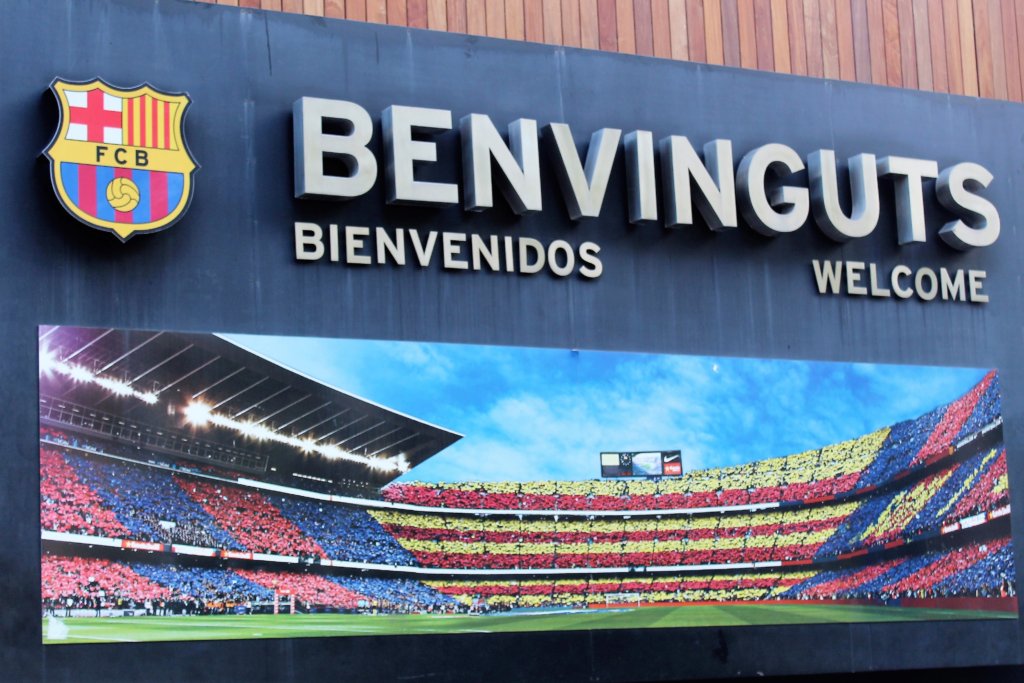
pixel 641 464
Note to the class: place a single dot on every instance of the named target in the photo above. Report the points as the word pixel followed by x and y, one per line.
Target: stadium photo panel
pixel 199 486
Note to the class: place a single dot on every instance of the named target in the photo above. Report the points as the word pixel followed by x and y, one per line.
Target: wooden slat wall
pixel 965 47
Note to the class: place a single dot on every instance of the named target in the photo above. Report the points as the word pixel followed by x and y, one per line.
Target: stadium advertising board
pixel 236 488
pixel 642 464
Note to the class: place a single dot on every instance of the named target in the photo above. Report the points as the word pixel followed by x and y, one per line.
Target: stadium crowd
pixel 908 483
pixel 838 469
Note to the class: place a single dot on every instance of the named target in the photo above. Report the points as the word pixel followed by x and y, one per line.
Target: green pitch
pixel 139 629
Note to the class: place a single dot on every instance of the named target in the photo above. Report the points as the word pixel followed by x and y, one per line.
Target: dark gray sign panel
pixel 229 263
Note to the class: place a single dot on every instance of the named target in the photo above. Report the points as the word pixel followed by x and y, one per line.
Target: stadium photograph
pixel 200 486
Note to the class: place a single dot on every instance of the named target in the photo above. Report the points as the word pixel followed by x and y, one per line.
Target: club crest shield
pixel 119 161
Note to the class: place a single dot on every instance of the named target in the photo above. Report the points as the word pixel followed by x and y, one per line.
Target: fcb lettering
pixel 119 161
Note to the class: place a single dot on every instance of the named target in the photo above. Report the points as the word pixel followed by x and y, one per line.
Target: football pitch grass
pixel 230 627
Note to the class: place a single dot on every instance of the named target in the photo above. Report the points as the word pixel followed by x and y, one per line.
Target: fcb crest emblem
pixel 119 161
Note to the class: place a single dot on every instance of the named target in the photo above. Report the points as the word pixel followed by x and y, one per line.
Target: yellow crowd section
pixel 832 461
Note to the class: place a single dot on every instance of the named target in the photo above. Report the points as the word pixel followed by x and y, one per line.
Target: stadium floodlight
pixel 113 386
pixel 47 361
pixel 49 364
pixel 201 414
pixel 76 372
pixel 197 413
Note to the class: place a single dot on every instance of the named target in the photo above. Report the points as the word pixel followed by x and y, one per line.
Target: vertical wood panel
pixel 876 40
pixel 533 21
pixel 678 32
pixel 457 21
pixel 844 41
pixel 416 13
pixel 861 40
pixel 996 48
pixel 494 18
pixel 797 37
pixel 983 45
pixel 1011 51
pixel 829 39
pixel 714 49
pixel 780 36
pixel 589 35
pixel 356 10
pixel 763 35
pixel 476 17
pixel 730 33
pixel 938 45
pixel 607 37
pixel 514 20
pixel 954 60
pixel 748 43
pixel 552 22
pixel 377 11
pixel 907 37
pixel 891 38
pixel 662 29
pixel 397 14
pixel 571 23
pixel 437 15
pixel 1018 6
pixel 644 27
pixel 812 34
pixel 970 47
pixel 968 57
pixel 695 30
pixel 625 26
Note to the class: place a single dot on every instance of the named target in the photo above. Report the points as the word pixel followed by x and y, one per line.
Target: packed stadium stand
pixel 919 509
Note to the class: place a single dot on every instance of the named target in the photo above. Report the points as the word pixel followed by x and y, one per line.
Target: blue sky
pixel 530 414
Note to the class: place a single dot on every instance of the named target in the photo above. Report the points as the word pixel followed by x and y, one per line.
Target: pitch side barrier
pixel 969 445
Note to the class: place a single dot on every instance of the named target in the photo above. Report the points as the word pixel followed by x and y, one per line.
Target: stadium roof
pixel 205 387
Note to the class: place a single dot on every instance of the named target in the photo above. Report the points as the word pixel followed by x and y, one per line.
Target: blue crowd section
pixel 905 440
pixel 204 584
pixel 990 570
pixel 143 497
pixel 905 567
pixel 394 590
pixel 979 569
pixel 943 493
pixel 345 533
pixel 951 492
pixel 847 536
pixel 989 406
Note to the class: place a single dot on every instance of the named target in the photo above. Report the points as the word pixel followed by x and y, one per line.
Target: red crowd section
pixel 77 576
pixel 310 588
pixel 955 562
pixel 938 444
pixel 598 586
pixel 486 560
pixel 250 518
pixel 70 506
pixel 983 495
pixel 624 535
